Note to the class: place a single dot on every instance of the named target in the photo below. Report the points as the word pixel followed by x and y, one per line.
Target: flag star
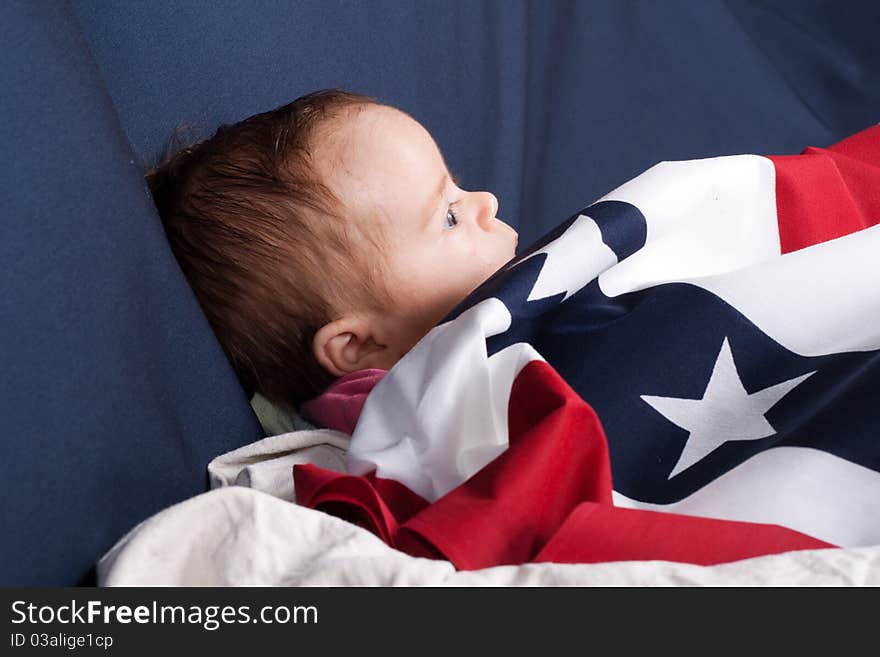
pixel 581 243
pixel 725 412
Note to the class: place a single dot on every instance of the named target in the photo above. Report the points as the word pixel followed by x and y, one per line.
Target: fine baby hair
pixel 264 243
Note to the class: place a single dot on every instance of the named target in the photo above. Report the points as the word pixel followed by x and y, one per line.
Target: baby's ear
pixel 348 344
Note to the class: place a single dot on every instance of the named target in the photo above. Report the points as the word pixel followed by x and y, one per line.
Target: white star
pixel 582 244
pixel 726 411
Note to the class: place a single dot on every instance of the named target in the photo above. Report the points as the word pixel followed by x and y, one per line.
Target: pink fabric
pixel 339 407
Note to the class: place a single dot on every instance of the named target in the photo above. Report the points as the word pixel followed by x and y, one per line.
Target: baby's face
pixel 444 241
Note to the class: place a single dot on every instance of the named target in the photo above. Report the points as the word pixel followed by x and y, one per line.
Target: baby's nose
pixel 487 211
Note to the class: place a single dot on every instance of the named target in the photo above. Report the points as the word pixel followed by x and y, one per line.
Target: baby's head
pixel 323 237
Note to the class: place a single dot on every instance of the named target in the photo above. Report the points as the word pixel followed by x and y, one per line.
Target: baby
pixel 323 238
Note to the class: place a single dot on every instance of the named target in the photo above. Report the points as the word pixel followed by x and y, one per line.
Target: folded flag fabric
pixel 688 369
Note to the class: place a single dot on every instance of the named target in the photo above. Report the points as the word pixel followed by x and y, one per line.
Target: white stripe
pixel 441 415
pixel 704 217
pixel 824 299
pixel 712 223
pixel 808 490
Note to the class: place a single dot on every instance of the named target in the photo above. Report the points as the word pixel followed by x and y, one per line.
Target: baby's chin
pixel 504 257
pixel 511 251
pixel 514 241
pixel 504 250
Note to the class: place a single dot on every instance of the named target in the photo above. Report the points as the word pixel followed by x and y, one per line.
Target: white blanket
pixel 247 531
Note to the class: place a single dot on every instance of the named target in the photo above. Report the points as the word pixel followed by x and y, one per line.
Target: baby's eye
pixel 449 221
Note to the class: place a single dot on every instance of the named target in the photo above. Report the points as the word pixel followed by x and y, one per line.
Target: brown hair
pixel 264 243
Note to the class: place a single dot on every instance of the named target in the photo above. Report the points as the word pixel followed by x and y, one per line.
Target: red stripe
pixel 557 459
pixel 826 193
pixel 595 533
pixel 380 505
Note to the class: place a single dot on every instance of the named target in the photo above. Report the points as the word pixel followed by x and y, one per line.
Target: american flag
pixel 687 369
